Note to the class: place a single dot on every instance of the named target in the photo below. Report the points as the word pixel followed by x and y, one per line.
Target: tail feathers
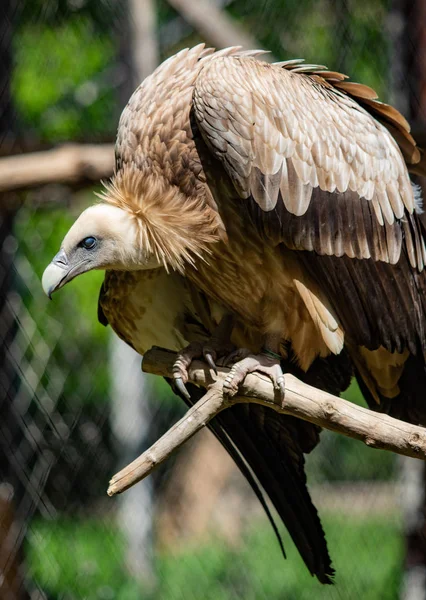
pixel 269 450
pixel 266 448
pixel 222 434
pixel 270 443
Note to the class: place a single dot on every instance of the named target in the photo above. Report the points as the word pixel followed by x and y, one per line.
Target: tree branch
pixel 301 400
pixel 74 164
pixel 214 24
pixel 194 420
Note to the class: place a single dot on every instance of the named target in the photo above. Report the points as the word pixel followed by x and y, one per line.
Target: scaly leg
pixel 218 345
pixel 267 362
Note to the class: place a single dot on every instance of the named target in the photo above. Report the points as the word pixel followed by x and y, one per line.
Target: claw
pixel 182 388
pixel 210 361
pixel 281 385
pixel 207 351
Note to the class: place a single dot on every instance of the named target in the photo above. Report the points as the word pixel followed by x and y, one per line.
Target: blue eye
pixel 88 243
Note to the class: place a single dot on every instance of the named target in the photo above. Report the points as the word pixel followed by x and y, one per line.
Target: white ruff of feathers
pixel 176 229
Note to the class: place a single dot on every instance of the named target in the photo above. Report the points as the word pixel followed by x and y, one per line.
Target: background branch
pixel 72 164
pixel 377 430
pixel 214 24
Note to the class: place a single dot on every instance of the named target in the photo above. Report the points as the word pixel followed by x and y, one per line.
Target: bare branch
pixel 195 419
pixel 72 164
pixel 301 400
pixel 214 24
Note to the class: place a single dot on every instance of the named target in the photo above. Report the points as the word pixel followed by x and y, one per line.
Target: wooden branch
pixel 214 24
pixel 301 400
pixel 194 420
pixel 71 164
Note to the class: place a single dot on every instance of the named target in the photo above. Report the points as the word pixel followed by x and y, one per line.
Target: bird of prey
pixel 267 205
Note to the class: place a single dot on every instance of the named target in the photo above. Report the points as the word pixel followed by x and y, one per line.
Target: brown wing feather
pixel 392 119
pixel 300 127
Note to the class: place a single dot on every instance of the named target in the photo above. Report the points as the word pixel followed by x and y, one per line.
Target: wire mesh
pixel 73 404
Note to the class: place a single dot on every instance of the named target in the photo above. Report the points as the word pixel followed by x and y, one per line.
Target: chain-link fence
pixel 74 406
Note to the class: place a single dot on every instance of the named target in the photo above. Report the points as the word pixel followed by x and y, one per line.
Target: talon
pixel 209 351
pixel 210 362
pixel 182 388
pixel 281 385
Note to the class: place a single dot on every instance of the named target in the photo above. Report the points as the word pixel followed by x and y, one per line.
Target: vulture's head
pixel 103 237
pixel 141 223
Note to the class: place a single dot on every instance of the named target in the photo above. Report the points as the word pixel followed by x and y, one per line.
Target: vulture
pixel 264 213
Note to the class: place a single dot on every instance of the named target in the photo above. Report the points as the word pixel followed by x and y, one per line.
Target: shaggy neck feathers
pixel 176 229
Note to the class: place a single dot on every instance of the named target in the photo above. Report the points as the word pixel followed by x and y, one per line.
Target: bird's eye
pixel 88 243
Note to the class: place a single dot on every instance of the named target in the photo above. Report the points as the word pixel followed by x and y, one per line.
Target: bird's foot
pixel 267 363
pixel 209 351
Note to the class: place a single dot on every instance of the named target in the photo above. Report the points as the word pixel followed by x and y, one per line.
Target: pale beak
pixel 56 274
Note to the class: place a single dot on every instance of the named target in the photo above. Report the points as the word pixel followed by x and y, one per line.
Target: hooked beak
pixel 58 273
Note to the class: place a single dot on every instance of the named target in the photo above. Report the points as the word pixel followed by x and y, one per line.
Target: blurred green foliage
pixel 105 15
pixel 254 571
pixel 62 88
pixel 64 79
pixel 339 35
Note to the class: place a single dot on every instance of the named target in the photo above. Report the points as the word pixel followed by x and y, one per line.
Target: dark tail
pixel 269 450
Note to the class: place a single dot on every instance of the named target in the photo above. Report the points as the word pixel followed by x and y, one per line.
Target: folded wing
pixel 321 167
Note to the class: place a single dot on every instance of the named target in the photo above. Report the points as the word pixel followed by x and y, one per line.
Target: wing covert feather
pixel 309 150
pixel 325 138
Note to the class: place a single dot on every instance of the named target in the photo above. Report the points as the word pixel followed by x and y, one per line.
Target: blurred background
pixel 74 406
